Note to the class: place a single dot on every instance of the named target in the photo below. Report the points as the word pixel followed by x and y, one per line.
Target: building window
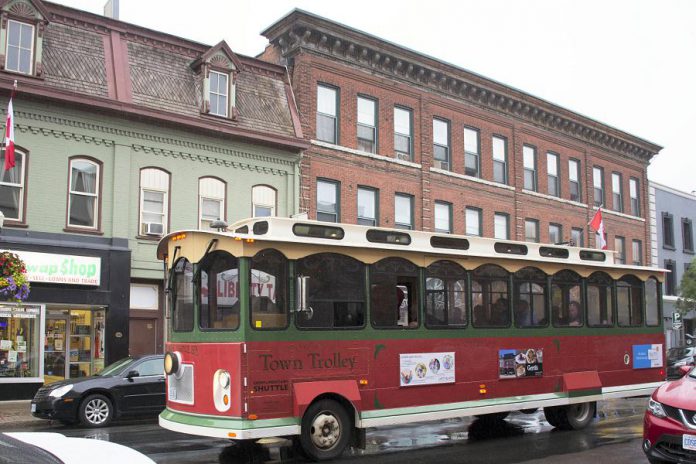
pixel 667 231
pixel 670 277
pixel 367 206
pixel 443 217
pixel 620 250
pixel 263 200
pixel 616 191
pixel 552 168
pixel 367 124
pixel 473 221
pixel 154 201
pixel 687 235
pixel 637 250
pixel 577 236
pixel 635 196
pixel 501 226
pixel 472 152
pixel 598 182
pixel 83 208
pixel 530 174
pixel 531 230
pixel 555 233
pixel 219 93
pixel 328 203
pixel 403 211
pixel 403 133
pixel 20 47
pixel 441 144
pixel 12 188
pixel 211 201
pixel 327 114
pixel 574 184
pixel 500 173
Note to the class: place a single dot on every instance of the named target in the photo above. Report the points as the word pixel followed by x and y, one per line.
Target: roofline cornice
pixel 303 31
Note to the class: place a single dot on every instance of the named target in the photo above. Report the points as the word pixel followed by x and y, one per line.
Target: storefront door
pixel 56 349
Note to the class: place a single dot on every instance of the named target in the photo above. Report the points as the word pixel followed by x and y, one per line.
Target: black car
pixel 131 386
pixel 677 357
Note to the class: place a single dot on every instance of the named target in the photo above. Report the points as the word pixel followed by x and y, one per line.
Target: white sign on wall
pixel 426 368
pixel 61 269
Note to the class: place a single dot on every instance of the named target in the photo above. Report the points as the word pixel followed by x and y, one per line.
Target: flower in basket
pixel 13 280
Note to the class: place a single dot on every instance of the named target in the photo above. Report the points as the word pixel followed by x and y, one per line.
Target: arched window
pixel 490 296
pixel 154 202
pixel 445 295
pixel 629 301
pixel 600 301
pixel 394 300
pixel 335 291
pixel 529 302
pixel 182 296
pixel 652 302
pixel 263 200
pixel 84 201
pixel 12 188
pixel 268 290
pixel 219 295
pixel 211 201
pixel 566 299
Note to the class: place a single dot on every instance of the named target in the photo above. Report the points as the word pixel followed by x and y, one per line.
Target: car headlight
pixel 656 408
pixel 60 391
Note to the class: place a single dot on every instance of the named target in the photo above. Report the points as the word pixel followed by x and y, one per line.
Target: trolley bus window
pixel 529 303
pixel 182 296
pixel 394 293
pixel 219 280
pixel 566 299
pixel 336 291
pixel 629 301
pixel 445 295
pixel 267 292
pixel 490 296
pixel 600 307
pixel 652 298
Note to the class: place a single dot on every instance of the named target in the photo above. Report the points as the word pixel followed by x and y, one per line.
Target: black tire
pixel 96 411
pixel 655 460
pixel 572 417
pixel 493 417
pixel 529 411
pixel 67 422
pixel 326 430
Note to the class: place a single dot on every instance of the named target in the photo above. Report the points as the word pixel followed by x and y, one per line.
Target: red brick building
pixel 400 139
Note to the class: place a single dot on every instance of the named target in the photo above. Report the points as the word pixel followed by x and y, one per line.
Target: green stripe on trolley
pixel 226 422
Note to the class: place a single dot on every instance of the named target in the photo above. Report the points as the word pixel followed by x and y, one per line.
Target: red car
pixel 669 426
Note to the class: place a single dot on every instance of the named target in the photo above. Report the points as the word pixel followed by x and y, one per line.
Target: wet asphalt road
pixel 614 437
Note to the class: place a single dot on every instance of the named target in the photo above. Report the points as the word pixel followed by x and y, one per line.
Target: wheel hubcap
pixel 326 431
pixel 97 411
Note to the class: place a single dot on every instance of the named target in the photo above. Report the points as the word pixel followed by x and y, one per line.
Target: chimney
pixel 111 9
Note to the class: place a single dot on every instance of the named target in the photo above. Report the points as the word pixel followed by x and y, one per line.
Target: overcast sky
pixel 630 64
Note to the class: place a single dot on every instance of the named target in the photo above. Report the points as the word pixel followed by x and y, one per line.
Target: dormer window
pixel 219 68
pixel 219 91
pixel 20 47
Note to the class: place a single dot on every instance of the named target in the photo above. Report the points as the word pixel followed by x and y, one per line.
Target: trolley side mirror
pixel 301 293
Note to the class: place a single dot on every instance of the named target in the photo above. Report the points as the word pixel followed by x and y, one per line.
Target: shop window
pixel 629 301
pixel 394 297
pixel 83 201
pixel 267 292
pixel 19 341
pixel 144 296
pixel 211 201
pixel 219 294
pixel 263 200
pixel 490 296
pixel 600 301
pixel 182 296
pixel 335 291
pixel 445 295
pixel 154 202
pixel 12 188
pixel 529 303
pixel 566 300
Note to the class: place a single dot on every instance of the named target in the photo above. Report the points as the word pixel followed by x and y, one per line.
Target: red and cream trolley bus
pixel 283 327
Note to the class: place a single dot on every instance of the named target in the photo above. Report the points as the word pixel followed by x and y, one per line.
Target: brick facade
pixel 318 51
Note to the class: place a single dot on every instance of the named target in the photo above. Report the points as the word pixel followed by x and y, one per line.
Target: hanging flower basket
pixel 13 279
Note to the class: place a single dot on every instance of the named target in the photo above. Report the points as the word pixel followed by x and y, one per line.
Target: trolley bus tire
pixel 326 430
pixel 493 417
pixel 572 417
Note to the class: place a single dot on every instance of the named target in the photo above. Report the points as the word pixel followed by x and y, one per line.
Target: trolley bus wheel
pixel 572 417
pixel 326 430
pixel 493 417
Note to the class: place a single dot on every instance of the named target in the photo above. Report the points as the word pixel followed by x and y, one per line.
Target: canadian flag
pixel 9 137
pixel 597 223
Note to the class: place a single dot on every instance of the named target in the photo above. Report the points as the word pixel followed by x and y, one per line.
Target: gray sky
pixel 630 64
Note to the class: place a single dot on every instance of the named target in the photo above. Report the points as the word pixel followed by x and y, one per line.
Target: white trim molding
pixel 366 154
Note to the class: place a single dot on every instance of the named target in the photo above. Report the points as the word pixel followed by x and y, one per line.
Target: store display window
pixel 20 330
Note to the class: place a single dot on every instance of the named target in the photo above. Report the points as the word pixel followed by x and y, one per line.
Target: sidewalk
pixel 15 414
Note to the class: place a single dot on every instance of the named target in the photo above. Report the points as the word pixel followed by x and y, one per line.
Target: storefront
pixel 75 320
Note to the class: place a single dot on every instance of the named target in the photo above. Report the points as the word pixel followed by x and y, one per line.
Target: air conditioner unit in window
pixel 154 228
pixel 403 156
pixel 444 165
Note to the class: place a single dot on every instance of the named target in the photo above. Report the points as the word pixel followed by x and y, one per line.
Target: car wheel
pixel 326 430
pixel 96 411
pixel 572 417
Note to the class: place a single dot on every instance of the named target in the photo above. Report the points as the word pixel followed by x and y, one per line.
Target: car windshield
pixel 676 353
pixel 117 367
pixel 17 452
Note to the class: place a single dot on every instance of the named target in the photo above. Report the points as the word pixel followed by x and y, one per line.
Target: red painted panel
pixel 588 380
pixel 305 392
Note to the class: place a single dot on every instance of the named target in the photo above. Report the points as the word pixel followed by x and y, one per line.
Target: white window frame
pixel 334 116
pixel 165 201
pixel 443 216
pixel 553 166
pixel 443 144
pixel 31 49
pixel 364 102
pixel 497 224
pixel 95 195
pixel 226 95
pixel 472 151
pixel 337 200
pixel 529 161
pixel 574 179
pixel 397 212
pixel 366 220
pixel 19 186
pixel 500 157
pixel 219 198
pixel 471 213
pixel 398 133
pixel 261 204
